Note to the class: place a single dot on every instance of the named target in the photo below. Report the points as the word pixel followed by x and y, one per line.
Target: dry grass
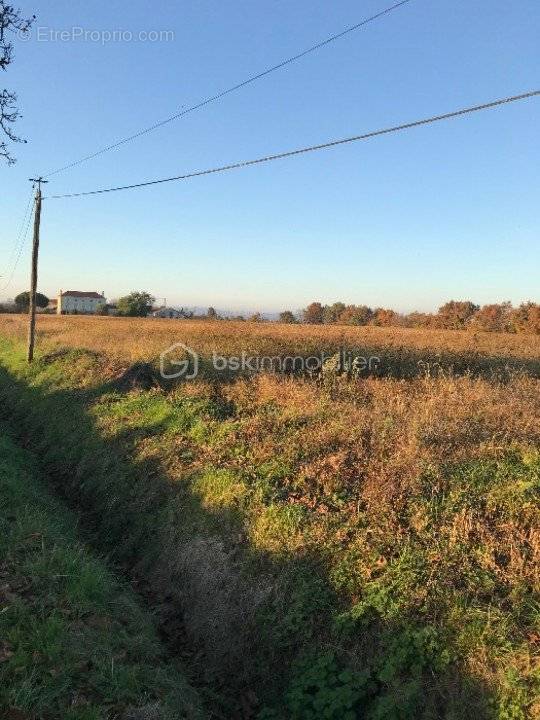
pixel 143 339
pixel 416 498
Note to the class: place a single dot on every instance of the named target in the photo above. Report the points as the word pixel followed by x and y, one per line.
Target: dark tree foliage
pixel 12 23
pixel 22 301
pixel 136 304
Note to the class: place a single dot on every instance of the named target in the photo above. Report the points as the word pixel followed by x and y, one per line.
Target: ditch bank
pixel 75 643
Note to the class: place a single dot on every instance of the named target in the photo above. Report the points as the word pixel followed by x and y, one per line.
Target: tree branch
pixel 11 22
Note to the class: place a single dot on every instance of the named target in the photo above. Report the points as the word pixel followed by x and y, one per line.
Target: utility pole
pixel 34 271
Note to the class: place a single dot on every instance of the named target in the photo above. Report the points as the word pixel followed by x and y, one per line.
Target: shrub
pixel 287 317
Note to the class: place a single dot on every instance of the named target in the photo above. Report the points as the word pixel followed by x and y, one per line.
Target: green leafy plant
pixel 321 689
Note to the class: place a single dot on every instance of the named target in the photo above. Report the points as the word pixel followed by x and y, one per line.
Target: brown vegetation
pixel 453 315
pixel 358 518
pixel 144 338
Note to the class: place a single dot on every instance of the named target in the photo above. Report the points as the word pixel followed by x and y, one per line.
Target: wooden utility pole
pixel 34 271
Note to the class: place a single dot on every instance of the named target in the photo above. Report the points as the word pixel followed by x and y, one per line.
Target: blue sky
pixel 406 221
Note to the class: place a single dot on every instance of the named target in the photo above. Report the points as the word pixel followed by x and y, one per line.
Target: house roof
pixel 79 294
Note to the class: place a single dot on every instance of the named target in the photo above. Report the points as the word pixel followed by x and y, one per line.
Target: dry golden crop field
pixel 144 338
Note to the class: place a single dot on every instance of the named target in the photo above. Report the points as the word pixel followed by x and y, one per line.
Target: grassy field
pixel 74 642
pixel 135 339
pixel 365 549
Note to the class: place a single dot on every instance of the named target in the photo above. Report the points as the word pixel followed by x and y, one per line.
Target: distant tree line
pixel 453 315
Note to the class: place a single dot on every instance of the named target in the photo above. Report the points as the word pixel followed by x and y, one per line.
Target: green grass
pixel 74 643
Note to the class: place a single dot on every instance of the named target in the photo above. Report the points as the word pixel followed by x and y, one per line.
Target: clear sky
pixel 407 221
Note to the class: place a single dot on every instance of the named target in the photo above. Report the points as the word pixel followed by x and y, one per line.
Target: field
pixel 326 548
pixel 143 339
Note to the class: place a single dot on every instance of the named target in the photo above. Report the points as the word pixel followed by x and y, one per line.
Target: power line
pixel 232 89
pixel 301 151
pixel 22 244
pixel 21 228
pixel 15 254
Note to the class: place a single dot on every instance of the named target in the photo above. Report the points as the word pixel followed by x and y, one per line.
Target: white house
pixel 76 302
